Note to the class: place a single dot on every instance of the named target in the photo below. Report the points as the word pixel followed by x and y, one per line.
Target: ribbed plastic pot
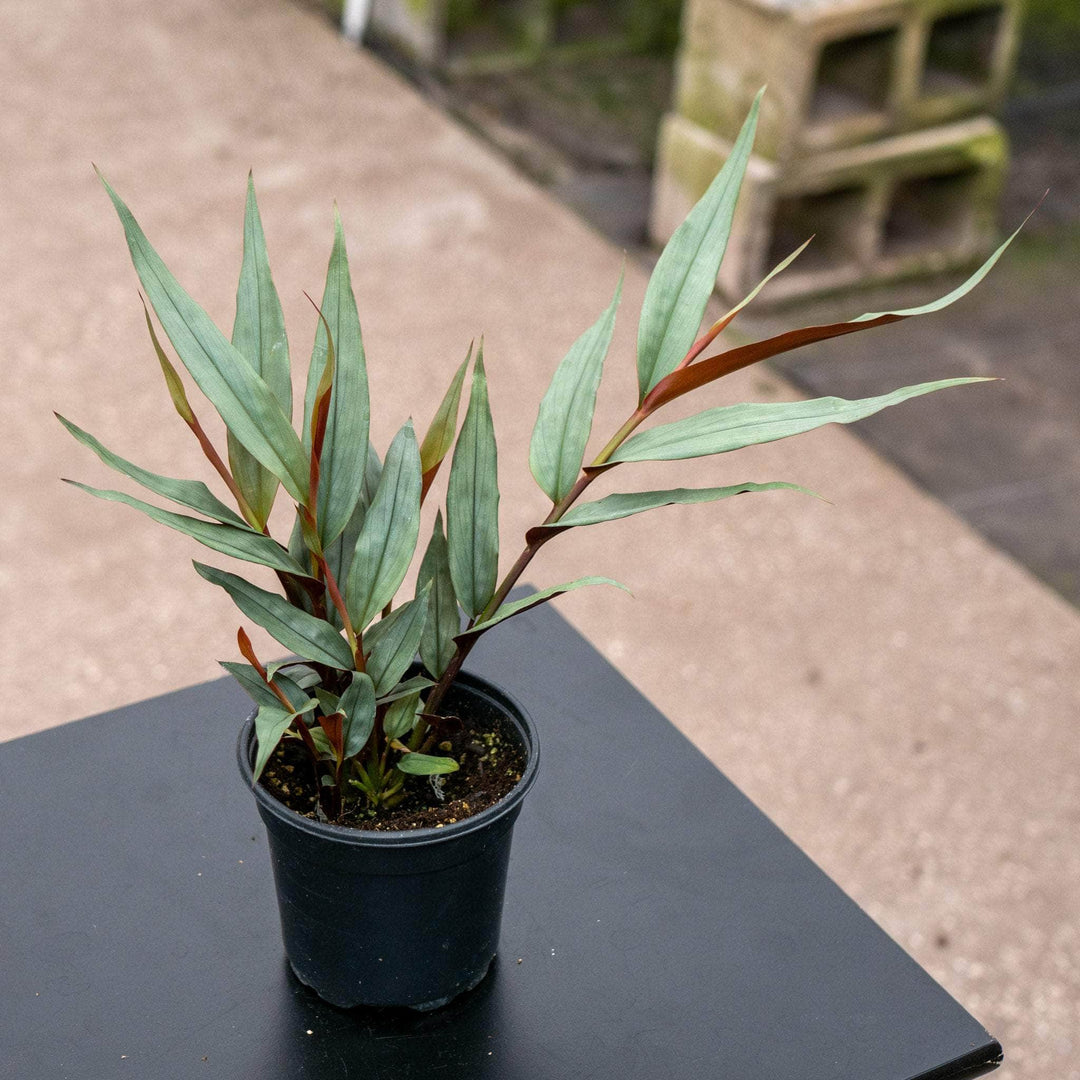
pixel 395 918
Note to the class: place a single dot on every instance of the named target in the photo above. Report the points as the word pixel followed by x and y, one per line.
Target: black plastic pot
pixel 395 918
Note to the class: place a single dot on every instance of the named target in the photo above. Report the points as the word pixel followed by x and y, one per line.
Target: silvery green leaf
pixel 300 633
pixel 391 643
pixel 259 335
pixel 358 705
pixel 243 400
pixel 417 684
pixel 564 422
pixel 193 494
pixel 400 718
pixel 443 620
pixel 259 692
pixel 388 536
pixel 731 427
pixel 343 460
pixel 472 502
pixel 271 722
pixel 685 274
pixel 238 541
pixel 626 504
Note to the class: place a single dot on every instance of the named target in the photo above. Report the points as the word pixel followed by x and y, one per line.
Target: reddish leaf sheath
pixel 332 726
pixel 711 368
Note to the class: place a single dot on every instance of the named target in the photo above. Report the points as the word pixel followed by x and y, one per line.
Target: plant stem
pixel 215 459
pixel 339 603
pixel 589 474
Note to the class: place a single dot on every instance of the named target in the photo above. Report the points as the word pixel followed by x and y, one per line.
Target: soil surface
pixel 491 763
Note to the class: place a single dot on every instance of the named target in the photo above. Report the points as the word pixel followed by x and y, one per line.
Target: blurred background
pixel 892 675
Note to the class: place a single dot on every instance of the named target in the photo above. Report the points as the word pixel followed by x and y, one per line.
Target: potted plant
pixel 389 786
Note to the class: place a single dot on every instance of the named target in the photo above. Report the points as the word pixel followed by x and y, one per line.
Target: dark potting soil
pixel 491 763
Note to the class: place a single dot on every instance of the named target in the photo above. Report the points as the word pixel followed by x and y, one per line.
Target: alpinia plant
pixel 366 722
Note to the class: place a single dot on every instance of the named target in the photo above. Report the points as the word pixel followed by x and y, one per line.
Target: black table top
pixel 657 924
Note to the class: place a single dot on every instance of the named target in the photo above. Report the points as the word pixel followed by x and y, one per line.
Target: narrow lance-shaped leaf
pixel 440 435
pixel 417 684
pixel 243 400
pixel 339 554
pixel 516 607
pixel 388 538
pixel 392 642
pixel 257 689
pixel 173 382
pixel 714 367
pixel 346 439
pixel 566 412
pixel 187 414
pixel 685 274
pixel 731 427
pixel 626 504
pixel 193 494
pixel 304 675
pixel 472 502
pixel 400 718
pixel 301 633
pixel 240 542
pixel 271 723
pixel 358 705
pixel 426 765
pixel 259 335
pixel 443 620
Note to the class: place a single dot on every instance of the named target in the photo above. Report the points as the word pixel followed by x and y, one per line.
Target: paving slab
pixel 896 693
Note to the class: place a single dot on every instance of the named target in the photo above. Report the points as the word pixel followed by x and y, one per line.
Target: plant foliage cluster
pixel 351 695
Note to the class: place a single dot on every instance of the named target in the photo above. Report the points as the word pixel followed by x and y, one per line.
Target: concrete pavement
pixel 896 693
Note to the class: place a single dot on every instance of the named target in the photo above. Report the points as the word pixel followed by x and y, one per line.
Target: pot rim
pixel 402 838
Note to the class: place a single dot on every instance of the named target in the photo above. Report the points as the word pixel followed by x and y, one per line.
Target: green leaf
pixel 259 335
pixel 271 722
pixel 472 502
pixel 303 675
pixel 565 419
pixel 358 705
pixel 391 643
pixel 300 633
pixel 259 692
pixel 443 623
pixel 961 290
pixel 400 718
pixel 345 443
pixel 516 607
pixel 417 684
pixel 685 274
pixel 252 683
pixel 339 554
pixel 625 504
pixel 731 427
pixel 173 382
pixel 193 494
pixel 779 268
pixel 238 541
pixel 388 538
pixel 321 743
pixel 243 400
pixel 426 765
pixel 440 435
pixel 327 702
